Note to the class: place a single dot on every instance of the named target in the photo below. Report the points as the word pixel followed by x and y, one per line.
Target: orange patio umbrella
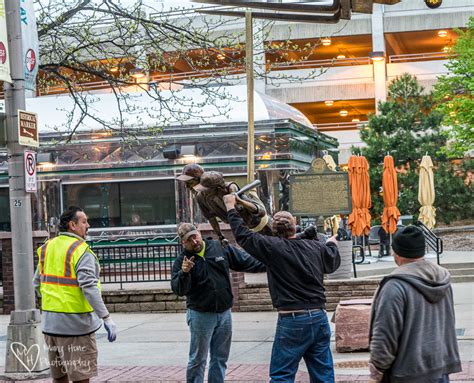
pixel 359 219
pixel 390 196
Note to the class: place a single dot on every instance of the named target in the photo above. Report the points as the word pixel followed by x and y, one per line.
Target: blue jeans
pixel 210 332
pixel 306 336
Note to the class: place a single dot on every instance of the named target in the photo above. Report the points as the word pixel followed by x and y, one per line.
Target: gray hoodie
pixel 412 334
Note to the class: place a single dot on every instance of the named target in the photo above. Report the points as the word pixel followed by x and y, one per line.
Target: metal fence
pixel 136 263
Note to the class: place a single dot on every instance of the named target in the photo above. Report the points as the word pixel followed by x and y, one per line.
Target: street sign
pixel 30 172
pixel 28 128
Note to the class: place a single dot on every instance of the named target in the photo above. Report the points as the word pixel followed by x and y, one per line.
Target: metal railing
pixel 136 263
pixel 340 125
pixel 419 57
pixel 432 240
pixel 347 61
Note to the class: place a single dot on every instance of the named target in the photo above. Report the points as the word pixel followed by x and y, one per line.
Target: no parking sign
pixel 30 172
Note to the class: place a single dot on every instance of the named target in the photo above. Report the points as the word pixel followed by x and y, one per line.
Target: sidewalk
pixel 154 347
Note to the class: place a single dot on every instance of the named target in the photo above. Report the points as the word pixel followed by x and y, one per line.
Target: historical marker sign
pixel 30 172
pixel 28 128
pixel 320 191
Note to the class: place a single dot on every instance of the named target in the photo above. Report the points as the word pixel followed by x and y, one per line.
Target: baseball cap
pixel 191 171
pixel 185 230
pixel 210 180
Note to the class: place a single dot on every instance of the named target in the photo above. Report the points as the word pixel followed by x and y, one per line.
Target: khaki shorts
pixel 75 356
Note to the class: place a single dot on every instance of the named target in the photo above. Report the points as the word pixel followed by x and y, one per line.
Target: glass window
pixel 118 204
pixel 4 210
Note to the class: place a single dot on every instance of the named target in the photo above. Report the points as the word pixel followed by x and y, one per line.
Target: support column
pixel 378 45
pixel 259 56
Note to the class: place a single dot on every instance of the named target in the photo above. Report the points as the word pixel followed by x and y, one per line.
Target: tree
pixel 87 46
pixel 454 94
pixel 407 128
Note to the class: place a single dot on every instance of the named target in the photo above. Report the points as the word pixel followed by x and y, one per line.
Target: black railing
pixel 136 263
pixel 432 240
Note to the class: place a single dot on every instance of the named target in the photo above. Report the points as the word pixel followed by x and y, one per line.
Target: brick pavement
pixel 248 373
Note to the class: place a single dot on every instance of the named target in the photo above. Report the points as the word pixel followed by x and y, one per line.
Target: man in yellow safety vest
pixel 67 279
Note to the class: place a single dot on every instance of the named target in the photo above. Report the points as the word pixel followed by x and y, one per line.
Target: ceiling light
pixel 329 102
pixel 326 41
pixel 355 120
pixel 340 57
pixel 377 56
pixel 442 33
pixel 343 113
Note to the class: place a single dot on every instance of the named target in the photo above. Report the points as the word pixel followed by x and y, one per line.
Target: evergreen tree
pixel 407 127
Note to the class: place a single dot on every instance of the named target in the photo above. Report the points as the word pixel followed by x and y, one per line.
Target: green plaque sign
pixel 320 191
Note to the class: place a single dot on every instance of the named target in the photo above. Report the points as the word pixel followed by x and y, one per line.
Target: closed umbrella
pixel 426 193
pixel 359 219
pixel 390 196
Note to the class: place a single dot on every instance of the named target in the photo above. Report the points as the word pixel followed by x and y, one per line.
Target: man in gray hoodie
pixel 412 332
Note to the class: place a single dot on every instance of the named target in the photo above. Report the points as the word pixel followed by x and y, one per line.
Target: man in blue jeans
pixel 295 269
pixel 201 272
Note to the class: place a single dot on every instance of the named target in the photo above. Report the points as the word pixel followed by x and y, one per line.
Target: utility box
pixel 352 321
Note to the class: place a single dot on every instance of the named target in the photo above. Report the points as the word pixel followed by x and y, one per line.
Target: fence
pixel 136 263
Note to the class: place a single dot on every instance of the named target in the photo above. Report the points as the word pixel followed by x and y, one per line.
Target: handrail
pixel 431 239
pixel 328 126
pixel 419 57
pixel 347 61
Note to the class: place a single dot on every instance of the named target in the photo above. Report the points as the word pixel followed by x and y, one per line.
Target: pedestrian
pixel 191 176
pixel 412 332
pixel 295 269
pixel 211 190
pixel 67 279
pixel 201 273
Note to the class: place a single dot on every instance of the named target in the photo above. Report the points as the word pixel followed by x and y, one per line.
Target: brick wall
pixel 8 299
pixel 253 297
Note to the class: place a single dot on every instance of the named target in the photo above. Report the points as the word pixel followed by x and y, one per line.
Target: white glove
pixel 111 329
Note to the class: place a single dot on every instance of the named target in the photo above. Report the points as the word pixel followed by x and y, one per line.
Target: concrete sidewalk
pixel 154 347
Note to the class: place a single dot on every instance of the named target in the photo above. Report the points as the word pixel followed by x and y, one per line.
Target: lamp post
pixel 25 354
pixel 250 96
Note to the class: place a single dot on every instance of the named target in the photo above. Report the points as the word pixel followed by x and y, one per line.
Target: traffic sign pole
pixel 24 328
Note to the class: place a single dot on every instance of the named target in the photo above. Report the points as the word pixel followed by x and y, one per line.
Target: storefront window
pixel 117 204
pixel 4 210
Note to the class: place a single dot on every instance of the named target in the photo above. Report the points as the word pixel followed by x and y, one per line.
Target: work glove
pixel 111 329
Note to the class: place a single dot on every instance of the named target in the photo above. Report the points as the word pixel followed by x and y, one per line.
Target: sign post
pixel 25 356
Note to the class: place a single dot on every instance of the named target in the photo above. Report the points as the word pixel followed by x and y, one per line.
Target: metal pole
pixel 24 332
pixel 250 93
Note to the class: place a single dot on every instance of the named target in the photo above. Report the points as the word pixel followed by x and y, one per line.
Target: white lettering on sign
pixel 30 172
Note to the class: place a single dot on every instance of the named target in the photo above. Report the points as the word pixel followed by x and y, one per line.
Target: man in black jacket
pixel 201 272
pixel 295 269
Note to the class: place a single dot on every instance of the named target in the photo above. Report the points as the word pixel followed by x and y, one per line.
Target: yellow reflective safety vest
pixel 60 291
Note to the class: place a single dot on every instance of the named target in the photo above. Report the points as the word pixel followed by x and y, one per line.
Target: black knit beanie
pixel 409 242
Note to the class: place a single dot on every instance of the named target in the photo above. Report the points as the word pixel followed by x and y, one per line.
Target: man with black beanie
pixel 412 332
